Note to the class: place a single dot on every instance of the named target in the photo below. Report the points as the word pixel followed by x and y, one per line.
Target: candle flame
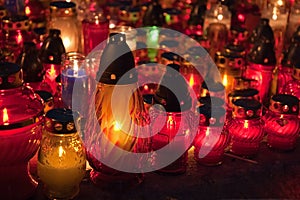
pixel 225 80
pixel 27 10
pixel 75 67
pixel 51 74
pixel 66 42
pixel 192 81
pixel 246 124
pixel 19 38
pixel 220 17
pixel 117 126
pixel 5 117
pixel 170 123
pixel 61 151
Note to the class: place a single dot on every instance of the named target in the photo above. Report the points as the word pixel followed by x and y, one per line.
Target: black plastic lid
pixel 213 86
pixel 62 4
pixel 33 70
pixel 262 31
pixel 263 53
pixel 215 118
pixel 246 109
pixel 116 62
pixel 154 15
pixel 61 121
pixel 284 104
pixel 10 75
pixel 53 48
pixel 148 98
pixel 250 92
pixel 165 96
pixel 209 101
pixel 170 56
pixel 46 96
pixel 291 57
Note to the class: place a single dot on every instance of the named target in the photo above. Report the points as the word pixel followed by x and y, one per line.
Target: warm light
pixel 112 25
pixel 61 151
pixel 225 80
pixel 241 17
pixel 27 10
pixel 19 38
pixel 5 117
pixel 207 132
pixel 220 17
pixel 75 68
pixel 246 124
pixel 146 87
pixel 67 42
pixel 117 126
pixel 170 123
pixel 192 81
pixel 51 74
pixel 280 2
pixel 274 17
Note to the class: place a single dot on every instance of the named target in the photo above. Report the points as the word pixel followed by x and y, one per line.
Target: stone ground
pixel 275 176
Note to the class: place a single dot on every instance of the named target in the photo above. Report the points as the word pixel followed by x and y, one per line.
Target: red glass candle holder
pixel 282 125
pixel 246 127
pixel 212 138
pixel 21 117
pixel 292 87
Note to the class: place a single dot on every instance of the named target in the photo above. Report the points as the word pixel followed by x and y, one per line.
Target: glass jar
pixel 261 63
pixel 212 138
pixel 246 127
pixel 51 56
pixel 33 68
pixel 61 158
pixel 179 126
pixel 64 17
pixel 294 21
pixel 292 87
pixel 231 64
pixel 110 121
pixel 17 31
pixel 75 82
pixel 95 28
pixel 21 121
pixel 282 125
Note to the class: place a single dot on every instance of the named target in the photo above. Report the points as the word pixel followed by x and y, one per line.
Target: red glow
pixel 146 87
pixel 241 17
pixel 27 10
pixel 19 38
pixel 5 117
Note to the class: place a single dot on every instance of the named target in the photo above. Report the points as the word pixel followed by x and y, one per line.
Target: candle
pixel 61 158
pixel 75 82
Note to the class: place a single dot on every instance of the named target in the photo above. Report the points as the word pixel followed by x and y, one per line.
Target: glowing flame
pixel 220 17
pixel 51 74
pixel 117 126
pixel 61 151
pixel 225 80
pixel 170 123
pixel 75 67
pixel 66 42
pixel 192 81
pixel 5 117
pixel 27 10
pixel 19 38
pixel 146 87
pixel 246 124
pixel 280 2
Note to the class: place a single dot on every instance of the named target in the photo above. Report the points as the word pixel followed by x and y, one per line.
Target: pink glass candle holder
pixel 212 138
pixel 282 125
pixel 173 123
pixel 292 87
pixel 21 117
pixel 95 30
pixel 246 127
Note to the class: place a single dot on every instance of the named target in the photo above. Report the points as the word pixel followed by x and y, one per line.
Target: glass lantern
pixel 63 16
pixel 282 125
pixel 61 158
pixel 246 127
pixel 21 118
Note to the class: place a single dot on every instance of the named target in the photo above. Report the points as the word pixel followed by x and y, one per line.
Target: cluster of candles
pixel 48 59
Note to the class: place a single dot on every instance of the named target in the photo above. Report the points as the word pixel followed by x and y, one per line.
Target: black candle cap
pixel 61 121
pixel 116 62
pixel 10 75
pixel 263 53
pixel 173 93
pixel 154 15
